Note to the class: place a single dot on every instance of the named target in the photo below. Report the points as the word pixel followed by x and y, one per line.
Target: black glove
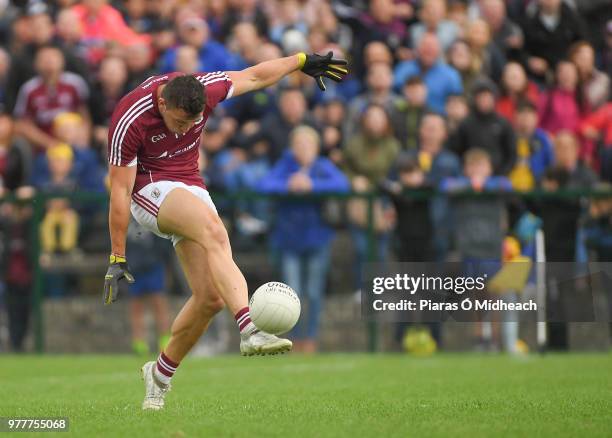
pixel 117 271
pixel 319 66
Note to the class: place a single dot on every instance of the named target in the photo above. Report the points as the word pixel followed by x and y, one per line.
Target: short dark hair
pixel 526 105
pixel 186 93
pixel 414 80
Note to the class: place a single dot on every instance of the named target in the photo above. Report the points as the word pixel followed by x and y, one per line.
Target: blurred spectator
pixel 559 216
pixel 597 127
pixel 561 108
pixel 457 109
pixel 16 267
pixel 53 91
pixel 487 59
pixel 370 153
pixel 606 52
pixel 70 35
pixel 245 43
pixel 109 88
pixel 252 216
pixel 441 79
pixel 275 127
pixel 325 26
pixel 560 222
pixel 367 160
pixel 438 163
pixel 414 242
pixel 599 227
pixel 139 61
pixel 566 157
pixel 137 17
pixel 461 58
pixel 380 23
pixel 433 19
pixel 23 65
pixel 102 26
pixel 375 52
pixel 60 226
pixel 598 236
pixel 193 31
pixel 408 112
pixel 485 129
pixel 379 91
pixel 480 223
pixel 595 85
pixel 8 16
pixel 516 87
pixel 301 235
pixel 414 229
pixel 506 34
pixel 332 116
pixel 70 128
pixel 458 13
pixel 15 157
pixel 187 61
pixel 549 29
pixel 534 149
pixel 5 64
pixel 147 254
pixel 243 11
pixel 289 16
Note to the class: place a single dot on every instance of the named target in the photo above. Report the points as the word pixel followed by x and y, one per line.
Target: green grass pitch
pixel 319 396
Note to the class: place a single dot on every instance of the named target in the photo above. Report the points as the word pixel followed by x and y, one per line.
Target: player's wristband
pixel 115 258
pixel 301 60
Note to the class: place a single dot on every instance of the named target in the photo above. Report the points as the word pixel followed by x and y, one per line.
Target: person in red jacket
pixel 597 129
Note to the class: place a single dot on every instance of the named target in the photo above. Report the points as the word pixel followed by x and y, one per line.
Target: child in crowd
pixel 408 112
pixel 457 109
pixel 534 149
pixel 60 226
pixel 480 222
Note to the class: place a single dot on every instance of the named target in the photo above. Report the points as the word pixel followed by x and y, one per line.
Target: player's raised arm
pixel 270 72
pixel 121 183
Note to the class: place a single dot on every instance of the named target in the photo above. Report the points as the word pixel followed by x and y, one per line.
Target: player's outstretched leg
pixel 184 214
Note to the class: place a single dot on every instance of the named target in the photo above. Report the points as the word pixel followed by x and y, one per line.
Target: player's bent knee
pixel 210 306
pixel 214 236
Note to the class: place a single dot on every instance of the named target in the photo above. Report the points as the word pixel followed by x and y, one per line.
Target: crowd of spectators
pixel 442 95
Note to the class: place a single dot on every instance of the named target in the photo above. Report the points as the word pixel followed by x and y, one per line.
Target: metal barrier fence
pixel 38 202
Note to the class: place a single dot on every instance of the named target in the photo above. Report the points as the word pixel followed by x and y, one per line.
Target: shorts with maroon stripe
pixel 146 203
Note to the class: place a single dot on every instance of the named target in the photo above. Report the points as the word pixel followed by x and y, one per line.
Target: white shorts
pixel 146 202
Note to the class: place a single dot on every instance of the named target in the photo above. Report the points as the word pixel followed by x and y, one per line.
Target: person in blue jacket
pixel 300 234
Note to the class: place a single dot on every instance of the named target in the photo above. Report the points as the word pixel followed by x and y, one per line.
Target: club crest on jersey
pixel 157 138
pixel 155 193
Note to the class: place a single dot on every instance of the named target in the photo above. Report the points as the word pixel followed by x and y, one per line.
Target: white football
pixel 275 308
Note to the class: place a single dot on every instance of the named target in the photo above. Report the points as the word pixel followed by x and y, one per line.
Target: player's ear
pixel 161 104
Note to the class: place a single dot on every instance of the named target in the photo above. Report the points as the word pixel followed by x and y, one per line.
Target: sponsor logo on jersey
pixel 162 155
pixel 185 149
pixel 158 137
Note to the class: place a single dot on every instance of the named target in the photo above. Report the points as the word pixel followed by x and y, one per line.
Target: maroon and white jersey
pixel 41 103
pixel 139 137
